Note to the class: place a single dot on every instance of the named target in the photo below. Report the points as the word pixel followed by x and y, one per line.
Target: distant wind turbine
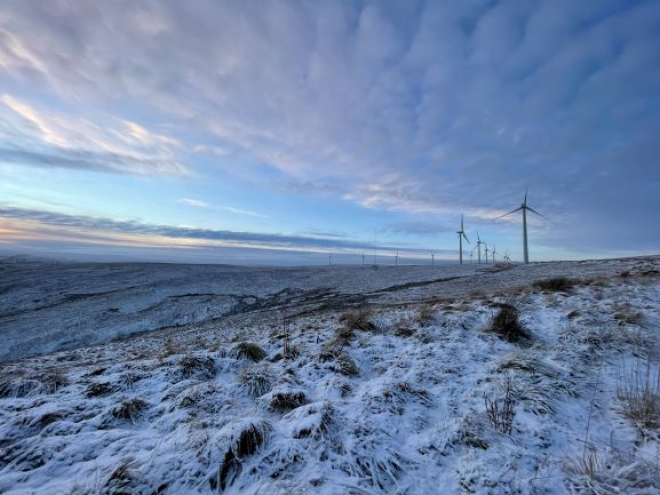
pixel 461 236
pixel 524 209
pixel 396 259
pixel 486 249
pixel 494 253
pixel 478 247
pixel 432 259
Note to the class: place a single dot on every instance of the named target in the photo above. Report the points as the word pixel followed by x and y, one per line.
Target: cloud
pixel 196 203
pixel 95 226
pixel 47 139
pixel 414 107
pixel 246 213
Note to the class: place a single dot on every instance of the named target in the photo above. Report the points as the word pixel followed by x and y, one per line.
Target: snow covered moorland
pixel 536 379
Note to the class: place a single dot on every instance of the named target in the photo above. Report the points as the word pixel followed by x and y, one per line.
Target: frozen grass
pixel 358 319
pixel 444 407
pixel 639 391
pixel 506 323
pixel 555 284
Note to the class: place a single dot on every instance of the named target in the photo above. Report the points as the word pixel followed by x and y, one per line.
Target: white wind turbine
pixel 461 236
pixel 486 250
pixel 524 209
pixel 478 247
pixel 494 253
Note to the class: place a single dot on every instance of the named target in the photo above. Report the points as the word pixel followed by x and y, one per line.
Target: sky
pixel 286 131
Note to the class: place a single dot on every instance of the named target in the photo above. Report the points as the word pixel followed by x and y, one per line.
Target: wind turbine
pixel 478 247
pixel 486 249
pixel 432 259
pixel 524 209
pixel 461 235
pixel 494 253
pixel 396 259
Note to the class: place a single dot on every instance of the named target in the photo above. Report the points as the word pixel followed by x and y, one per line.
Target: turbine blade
pixel 526 188
pixel 461 222
pixel 507 214
pixel 465 237
pixel 534 211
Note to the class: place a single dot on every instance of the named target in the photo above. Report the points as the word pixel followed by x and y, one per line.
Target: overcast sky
pixel 249 131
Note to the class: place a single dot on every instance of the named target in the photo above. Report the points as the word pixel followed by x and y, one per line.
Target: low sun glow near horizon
pixel 285 132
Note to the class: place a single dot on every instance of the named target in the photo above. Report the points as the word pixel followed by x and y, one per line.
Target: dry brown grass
pixel 555 284
pixel 248 350
pixel 506 323
pixel 639 392
pixel 346 365
pixel 130 409
pixel 286 401
pixel 358 319
pixel 199 367
pixel 425 314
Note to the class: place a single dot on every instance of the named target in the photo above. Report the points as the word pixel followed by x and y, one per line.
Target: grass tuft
pixel 256 381
pixel 506 323
pixel 130 409
pixel 639 392
pixel 359 319
pixel 202 368
pixel 249 350
pixel 346 365
pixel 555 284
pixel 286 401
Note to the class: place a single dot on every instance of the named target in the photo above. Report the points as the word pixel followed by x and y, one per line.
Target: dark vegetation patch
pixel 555 284
pixel 17 385
pixel 358 319
pixel 202 368
pixel 100 389
pixel 249 350
pixel 130 409
pixel 346 365
pixel 286 401
pixel 506 323
pixel 243 445
pixel 255 381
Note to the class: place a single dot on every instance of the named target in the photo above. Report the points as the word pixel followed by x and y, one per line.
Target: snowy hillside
pixel 499 382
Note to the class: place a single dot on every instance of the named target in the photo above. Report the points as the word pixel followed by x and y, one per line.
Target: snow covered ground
pixel 289 388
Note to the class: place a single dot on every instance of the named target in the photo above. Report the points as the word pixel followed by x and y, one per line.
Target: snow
pixel 179 412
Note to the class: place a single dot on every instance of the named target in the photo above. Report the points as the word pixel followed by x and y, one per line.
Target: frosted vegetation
pixel 542 379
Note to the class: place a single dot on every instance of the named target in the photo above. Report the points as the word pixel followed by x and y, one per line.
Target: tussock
pixel 639 392
pixel 425 314
pixel 100 389
pixel 249 350
pixel 244 440
pixel 346 365
pixel 506 323
pixel 359 319
pixel 18 386
pixel 200 368
pixel 286 401
pixel 555 284
pixel 130 409
pixel 256 381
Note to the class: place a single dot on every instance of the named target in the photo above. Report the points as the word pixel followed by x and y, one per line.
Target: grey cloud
pixel 94 226
pixel 93 161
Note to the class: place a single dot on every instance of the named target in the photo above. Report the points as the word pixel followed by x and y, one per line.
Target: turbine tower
pixel 486 249
pixel 494 252
pixel 478 247
pixel 461 235
pixel 524 209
